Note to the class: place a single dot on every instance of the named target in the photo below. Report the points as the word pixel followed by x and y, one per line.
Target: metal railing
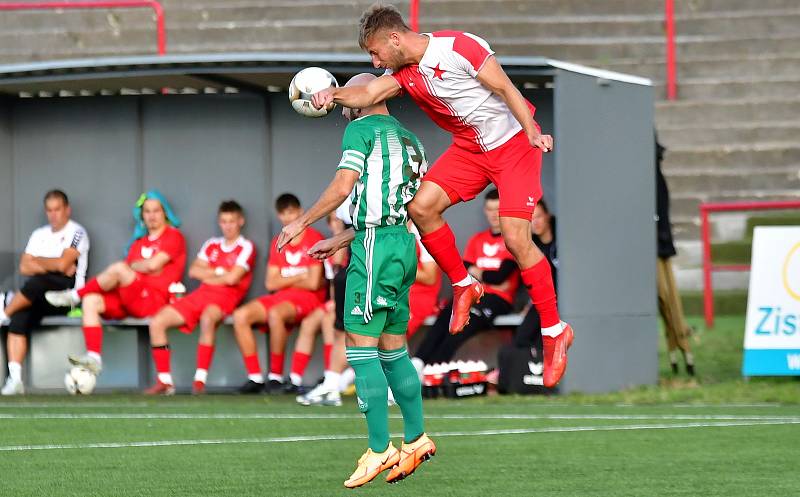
pixel 161 30
pixel 672 76
pixel 705 233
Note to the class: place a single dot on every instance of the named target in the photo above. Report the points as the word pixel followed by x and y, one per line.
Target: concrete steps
pixel 729 133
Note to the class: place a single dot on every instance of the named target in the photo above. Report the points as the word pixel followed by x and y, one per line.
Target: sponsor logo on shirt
pixel 491 249
pixel 489 262
pixel 293 258
pixel 288 272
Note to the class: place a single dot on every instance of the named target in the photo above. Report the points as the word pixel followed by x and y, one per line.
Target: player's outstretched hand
pixel 324 248
pixel 289 233
pixel 322 98
pixel 544 142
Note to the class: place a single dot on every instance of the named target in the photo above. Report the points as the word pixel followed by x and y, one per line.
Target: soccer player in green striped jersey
pixel 380 170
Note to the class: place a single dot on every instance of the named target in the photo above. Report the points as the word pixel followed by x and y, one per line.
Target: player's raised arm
pixel 331 198
pixel 493 77
pixel 358 97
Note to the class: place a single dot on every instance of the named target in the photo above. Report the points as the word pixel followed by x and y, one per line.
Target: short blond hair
pixel 377 18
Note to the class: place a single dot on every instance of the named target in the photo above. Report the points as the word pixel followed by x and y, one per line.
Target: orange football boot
pixel 463 299
pixel 555 355
pixel 371 464
pixel 411 456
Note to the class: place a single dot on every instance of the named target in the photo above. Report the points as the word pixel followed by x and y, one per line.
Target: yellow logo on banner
pixel 795 294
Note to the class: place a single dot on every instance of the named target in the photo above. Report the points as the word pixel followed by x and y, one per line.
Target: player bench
pixel 128 364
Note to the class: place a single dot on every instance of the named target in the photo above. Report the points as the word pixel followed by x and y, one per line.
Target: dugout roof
pixel 227 73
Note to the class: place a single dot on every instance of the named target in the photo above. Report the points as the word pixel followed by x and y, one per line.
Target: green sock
pixel 373 394
pixel 403 379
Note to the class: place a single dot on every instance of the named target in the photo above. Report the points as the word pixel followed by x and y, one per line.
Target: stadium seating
pixel 737 67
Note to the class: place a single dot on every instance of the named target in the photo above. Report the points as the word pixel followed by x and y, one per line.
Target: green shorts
pixel 383 266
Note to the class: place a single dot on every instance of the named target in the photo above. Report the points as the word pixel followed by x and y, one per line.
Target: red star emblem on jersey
pixel 438 71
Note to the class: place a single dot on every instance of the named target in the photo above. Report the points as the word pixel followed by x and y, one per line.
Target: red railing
pixel 669 18
pixel 161 30
pixel 705 234
pixel 413 15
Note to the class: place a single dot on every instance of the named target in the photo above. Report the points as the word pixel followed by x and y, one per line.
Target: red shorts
pixel 137 300
pixel 304 301
pixel 513 167
pixel 191 307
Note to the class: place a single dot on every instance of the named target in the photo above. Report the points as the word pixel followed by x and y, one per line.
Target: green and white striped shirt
pixel 390 161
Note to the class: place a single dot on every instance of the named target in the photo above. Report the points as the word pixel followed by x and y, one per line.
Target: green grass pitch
pixel 243 446
pixel 718 435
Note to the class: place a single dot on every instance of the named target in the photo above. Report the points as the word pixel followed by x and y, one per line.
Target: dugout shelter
pixel 203 128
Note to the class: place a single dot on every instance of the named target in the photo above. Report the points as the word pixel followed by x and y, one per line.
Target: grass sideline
pixel 718 358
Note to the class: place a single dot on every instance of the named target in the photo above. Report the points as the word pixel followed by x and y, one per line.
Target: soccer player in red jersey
pixel 224 267
pixel 136 287
pixel 455 79
pixel 424 293
pixel 295 284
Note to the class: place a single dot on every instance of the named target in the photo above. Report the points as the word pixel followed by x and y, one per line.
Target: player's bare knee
pixel 423 211
pixel 91 302
pixel 208 321
pixel 275 318
pixel 241 317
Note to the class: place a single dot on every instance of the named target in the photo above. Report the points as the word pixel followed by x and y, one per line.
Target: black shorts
pixel 339 287
pixel 24 321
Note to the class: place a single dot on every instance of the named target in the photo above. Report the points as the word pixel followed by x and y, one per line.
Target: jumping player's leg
pixel 516 173
pixel 253 312
pixel 404 382
pixel 426 210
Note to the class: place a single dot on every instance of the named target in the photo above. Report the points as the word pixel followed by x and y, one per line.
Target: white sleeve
pixel 244 257
pixel 33 244
pixel 80 241
pixel 202 253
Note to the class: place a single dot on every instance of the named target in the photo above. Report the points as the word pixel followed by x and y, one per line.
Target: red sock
pixel 326 355
pixel 441 244
pixel 204 355
pixel 251 364
pixel 299 363
pixel 93 336
pixel 91 286
pixel 539 281
pixel 276 364
pixel 161 358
